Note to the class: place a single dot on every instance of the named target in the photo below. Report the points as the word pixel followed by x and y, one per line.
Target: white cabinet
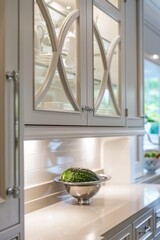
pixel 124 234
pixel 134 63
pixel 143 225
pixel 10 200
pixel 74 62
pixel 156 217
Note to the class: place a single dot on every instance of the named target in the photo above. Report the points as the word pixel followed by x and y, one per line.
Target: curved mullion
pixel 66 86
pixel 56 45
pixel 111 49
pixel 113 97
pixel 109 58
pixel 105 75
pixel 64 29
pixel 50 27
pixel 54 58
pixel 71 17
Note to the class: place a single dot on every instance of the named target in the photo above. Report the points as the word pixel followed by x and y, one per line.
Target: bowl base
pixel 82 201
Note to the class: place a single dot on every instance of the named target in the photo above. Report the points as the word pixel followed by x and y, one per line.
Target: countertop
pixel 66 220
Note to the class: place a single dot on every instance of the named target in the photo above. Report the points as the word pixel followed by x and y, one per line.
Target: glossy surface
pixel 55 55
pixel 83 191
pixel 69 221
pixel 106 44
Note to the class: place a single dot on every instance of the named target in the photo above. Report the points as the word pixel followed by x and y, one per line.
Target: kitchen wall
pixel 46 159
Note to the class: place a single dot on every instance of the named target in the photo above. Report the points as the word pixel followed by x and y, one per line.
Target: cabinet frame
pixel 81 118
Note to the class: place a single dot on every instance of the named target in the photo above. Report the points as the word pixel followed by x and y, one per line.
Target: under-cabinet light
pixel 68 7
pixel 155 56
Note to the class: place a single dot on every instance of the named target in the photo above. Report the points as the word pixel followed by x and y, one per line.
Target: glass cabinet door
pixel 56 58
pixel 108 62
pixel 70 43
pixel 54 66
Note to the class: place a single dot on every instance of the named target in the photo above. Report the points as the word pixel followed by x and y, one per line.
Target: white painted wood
pixel 10 211
pixel 101 119
pixel 124 234
pixel 134 63
pixel 77 117
pixel 32 116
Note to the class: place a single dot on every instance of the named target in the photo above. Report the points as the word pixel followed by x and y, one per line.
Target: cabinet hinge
pixel 126 112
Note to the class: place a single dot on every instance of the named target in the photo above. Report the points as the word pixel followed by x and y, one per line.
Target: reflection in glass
pixel 106 64
pixel 55 55
pixel 115 3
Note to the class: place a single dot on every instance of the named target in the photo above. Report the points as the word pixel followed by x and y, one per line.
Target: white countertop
pixel 68 221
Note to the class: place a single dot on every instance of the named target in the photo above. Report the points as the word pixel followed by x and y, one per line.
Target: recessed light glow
pixel 68 7
pixel 155 56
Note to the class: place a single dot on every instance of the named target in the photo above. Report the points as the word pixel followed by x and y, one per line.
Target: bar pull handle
pixel 15 190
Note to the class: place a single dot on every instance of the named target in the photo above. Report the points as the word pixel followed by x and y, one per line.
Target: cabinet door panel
pixel 143 227
pixel 9 206
pixel 108 64
pixel 134 63
pixel 55 62
pixel 124 234
pixel 56 68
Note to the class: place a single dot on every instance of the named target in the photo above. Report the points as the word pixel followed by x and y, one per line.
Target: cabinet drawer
pixel 124 234
pixel 157 219
pixel 14 238
pixel 143 227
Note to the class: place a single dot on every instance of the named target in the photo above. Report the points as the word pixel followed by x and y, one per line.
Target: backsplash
pixel 46 159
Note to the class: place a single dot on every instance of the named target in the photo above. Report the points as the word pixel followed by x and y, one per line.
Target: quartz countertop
pixel 66 220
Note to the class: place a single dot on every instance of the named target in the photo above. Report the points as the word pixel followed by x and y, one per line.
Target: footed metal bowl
pixel 83 191
pixel 152 164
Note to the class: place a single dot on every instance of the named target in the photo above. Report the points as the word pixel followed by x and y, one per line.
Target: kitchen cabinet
pixel 142 225
pixel 10 184
pixel 156 217
pixel 134 64
pixel 16 238
pixel 125 234
pixel 120 212
pixel 75 60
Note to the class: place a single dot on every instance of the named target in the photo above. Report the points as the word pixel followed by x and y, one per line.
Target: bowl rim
pixel 102 178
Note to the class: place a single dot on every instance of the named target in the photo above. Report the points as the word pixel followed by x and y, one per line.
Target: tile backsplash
pixel 45 159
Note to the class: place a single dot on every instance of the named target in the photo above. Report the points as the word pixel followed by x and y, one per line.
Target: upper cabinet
pixel 134 67
pixel 76 64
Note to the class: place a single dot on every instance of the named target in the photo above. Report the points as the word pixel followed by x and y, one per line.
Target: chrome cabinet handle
pixel 85 108
pixel 145 230
pixel 88 109
pixel 15 190
pixel 91 109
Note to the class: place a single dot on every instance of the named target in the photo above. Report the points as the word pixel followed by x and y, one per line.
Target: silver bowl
pixel 83 191
pixel 152 164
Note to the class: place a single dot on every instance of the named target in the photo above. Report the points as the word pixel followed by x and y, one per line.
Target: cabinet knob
pixel 88 109
pixel 13 192
pixel 91 109
pixel 85 108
